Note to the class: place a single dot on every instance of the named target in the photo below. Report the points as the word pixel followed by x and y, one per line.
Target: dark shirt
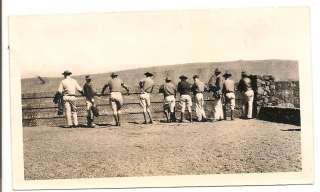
pixel 184 88
pixel 244 84
pixel 88 91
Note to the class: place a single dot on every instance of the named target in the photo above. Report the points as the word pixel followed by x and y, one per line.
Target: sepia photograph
pixel 161 93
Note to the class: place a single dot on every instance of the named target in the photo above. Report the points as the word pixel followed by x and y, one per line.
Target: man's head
pixel 114 75
pixel 88 78
pixel 168 79
pixel 227 75
pixel 183 78
pixel 196 78
pixel 148 74
pixel 244 74
pixel 66 73
pixel 217 71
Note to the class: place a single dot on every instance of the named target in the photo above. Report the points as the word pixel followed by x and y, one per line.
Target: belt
pixel 230 92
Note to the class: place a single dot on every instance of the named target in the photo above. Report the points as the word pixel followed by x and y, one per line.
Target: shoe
pixel 151 122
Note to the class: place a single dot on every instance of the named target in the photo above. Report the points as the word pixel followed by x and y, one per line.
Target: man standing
pixel 247 93
pixel 146 87
pixel 169 91
pixel 116 101
pixel 89 94
pixel 198 88
pixel 228 92
pixel 184 89
pixel 216 84
pixel 68 87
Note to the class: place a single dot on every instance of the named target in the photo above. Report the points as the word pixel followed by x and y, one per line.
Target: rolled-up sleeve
pixel 60 88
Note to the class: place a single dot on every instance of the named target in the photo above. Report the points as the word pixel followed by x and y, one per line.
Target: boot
pixel 225 113
pixel 182 117
pixel 232 115
pixel 172 117
pixel 89 122
pixel 190 115
pixel 145 118
pixel 150 117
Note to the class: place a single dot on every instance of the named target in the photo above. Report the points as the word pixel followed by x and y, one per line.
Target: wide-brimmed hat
pixel 217 70
pixel 196 76
pixel 148 74
pixel 183 77
pixel 114 75
pixel 244 73
pixel 168 79
pixel 88 77
pixel 66 72
pixel 227 74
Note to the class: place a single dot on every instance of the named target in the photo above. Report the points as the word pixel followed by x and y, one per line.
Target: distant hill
pixel 282 70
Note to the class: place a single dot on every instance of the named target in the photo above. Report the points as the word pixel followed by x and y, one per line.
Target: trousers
pixel 199 103
pixel 71 110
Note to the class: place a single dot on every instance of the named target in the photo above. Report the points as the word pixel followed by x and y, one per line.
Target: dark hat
pixel 148 74
pixel 217 70
pixel 227 73
pixel 244 73
pixel 183 77
pixel 196 76
pixel 168 79
pixel 88 77
pixel 114 75
pixel 66 72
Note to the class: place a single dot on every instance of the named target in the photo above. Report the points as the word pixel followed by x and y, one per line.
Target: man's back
pixel 69 86
pixel 88 91
pixel 184 88
pixel 115 85
pixel 168 89
pixel 228 86
pixel 146 85
pixel 244 84
pixel 198 87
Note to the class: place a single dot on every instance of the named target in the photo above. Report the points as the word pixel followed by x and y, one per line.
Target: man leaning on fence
pixel 68 87
pixel 169 91
pixel 198 88
pixel 89 93
pixel 146 87
pixel 229 95
pixel 115 86
pixel 184 88
pixel 247 95
pixel 215 85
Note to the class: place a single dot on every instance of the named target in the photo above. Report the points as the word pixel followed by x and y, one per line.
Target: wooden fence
pixel 39 109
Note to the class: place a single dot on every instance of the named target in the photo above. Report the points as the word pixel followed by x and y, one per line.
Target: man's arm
pixel 79 89
pixel 60 88
pixel 152 89
pixel 104 88
pixel 125 87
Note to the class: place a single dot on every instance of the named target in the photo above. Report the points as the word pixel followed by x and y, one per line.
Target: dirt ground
pixel 240 146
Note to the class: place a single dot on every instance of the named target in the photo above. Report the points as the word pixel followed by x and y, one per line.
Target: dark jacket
pixel 88 91
pixel 58 99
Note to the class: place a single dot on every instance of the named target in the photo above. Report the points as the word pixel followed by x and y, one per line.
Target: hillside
pixel 281 69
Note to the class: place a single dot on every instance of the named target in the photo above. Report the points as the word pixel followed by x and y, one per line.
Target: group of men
pixel 221 85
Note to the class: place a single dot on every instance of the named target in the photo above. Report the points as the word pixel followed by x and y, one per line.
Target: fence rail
pixel 42 111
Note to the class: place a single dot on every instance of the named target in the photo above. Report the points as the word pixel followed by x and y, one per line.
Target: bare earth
pixel 239 146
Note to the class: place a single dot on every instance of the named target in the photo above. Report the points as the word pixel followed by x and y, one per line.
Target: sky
pixel 46 45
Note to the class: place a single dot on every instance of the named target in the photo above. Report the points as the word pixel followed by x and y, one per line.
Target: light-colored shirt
pixel 146 85
pixel 69 86
pixel 115 85
pixel 228 86
pixel 198 87
pixel 168 89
